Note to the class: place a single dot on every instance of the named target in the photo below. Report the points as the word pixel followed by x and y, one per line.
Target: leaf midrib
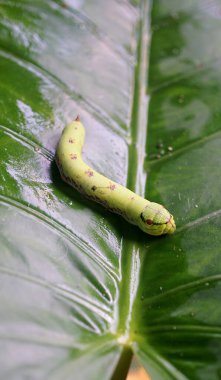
pixel 129 265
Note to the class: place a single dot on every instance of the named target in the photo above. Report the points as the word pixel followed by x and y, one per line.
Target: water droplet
pixel 175 16
pixel 196 206
pixel 175 51
pixel 161 288
pixel 159 145
pixel 170 148
pixel 207 284
pixel 70 203
pixel 64 5
pixel 200 66
pixel 180 99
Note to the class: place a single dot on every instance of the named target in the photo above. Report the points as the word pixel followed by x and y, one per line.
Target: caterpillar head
pixel 156 220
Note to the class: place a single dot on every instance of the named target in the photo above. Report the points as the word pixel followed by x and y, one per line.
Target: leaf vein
pixel 59 228
pixel 71 295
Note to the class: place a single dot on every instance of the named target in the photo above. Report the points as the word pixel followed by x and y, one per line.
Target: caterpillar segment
pixel 150 217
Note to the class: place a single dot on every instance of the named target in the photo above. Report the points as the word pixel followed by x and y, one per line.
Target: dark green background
pixel 79 285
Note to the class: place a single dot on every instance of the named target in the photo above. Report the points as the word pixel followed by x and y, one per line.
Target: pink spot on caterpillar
pixel 71 141
pixel 112 186
pixel 169 220
pixel 89 173
pixel 73 156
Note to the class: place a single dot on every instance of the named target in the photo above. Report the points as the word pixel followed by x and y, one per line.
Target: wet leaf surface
pixel 79 284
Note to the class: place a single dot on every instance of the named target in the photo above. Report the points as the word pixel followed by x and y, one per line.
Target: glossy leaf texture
pixel 81 288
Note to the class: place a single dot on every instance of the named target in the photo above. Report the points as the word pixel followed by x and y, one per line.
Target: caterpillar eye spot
pixel 142 217
pixel 149 221
pixel 146 221
pixel 94 188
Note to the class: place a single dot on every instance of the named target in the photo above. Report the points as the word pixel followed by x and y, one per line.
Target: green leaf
pixel 81 289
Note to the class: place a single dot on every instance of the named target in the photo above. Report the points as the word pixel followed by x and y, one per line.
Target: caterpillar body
pixel 150 217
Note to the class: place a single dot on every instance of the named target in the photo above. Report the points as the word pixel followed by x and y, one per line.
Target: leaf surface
pixel 80 285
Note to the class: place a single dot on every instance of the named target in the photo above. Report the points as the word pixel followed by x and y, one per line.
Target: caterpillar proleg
pixel 150 217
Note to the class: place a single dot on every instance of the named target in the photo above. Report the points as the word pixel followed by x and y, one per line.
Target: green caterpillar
pixel 151 217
